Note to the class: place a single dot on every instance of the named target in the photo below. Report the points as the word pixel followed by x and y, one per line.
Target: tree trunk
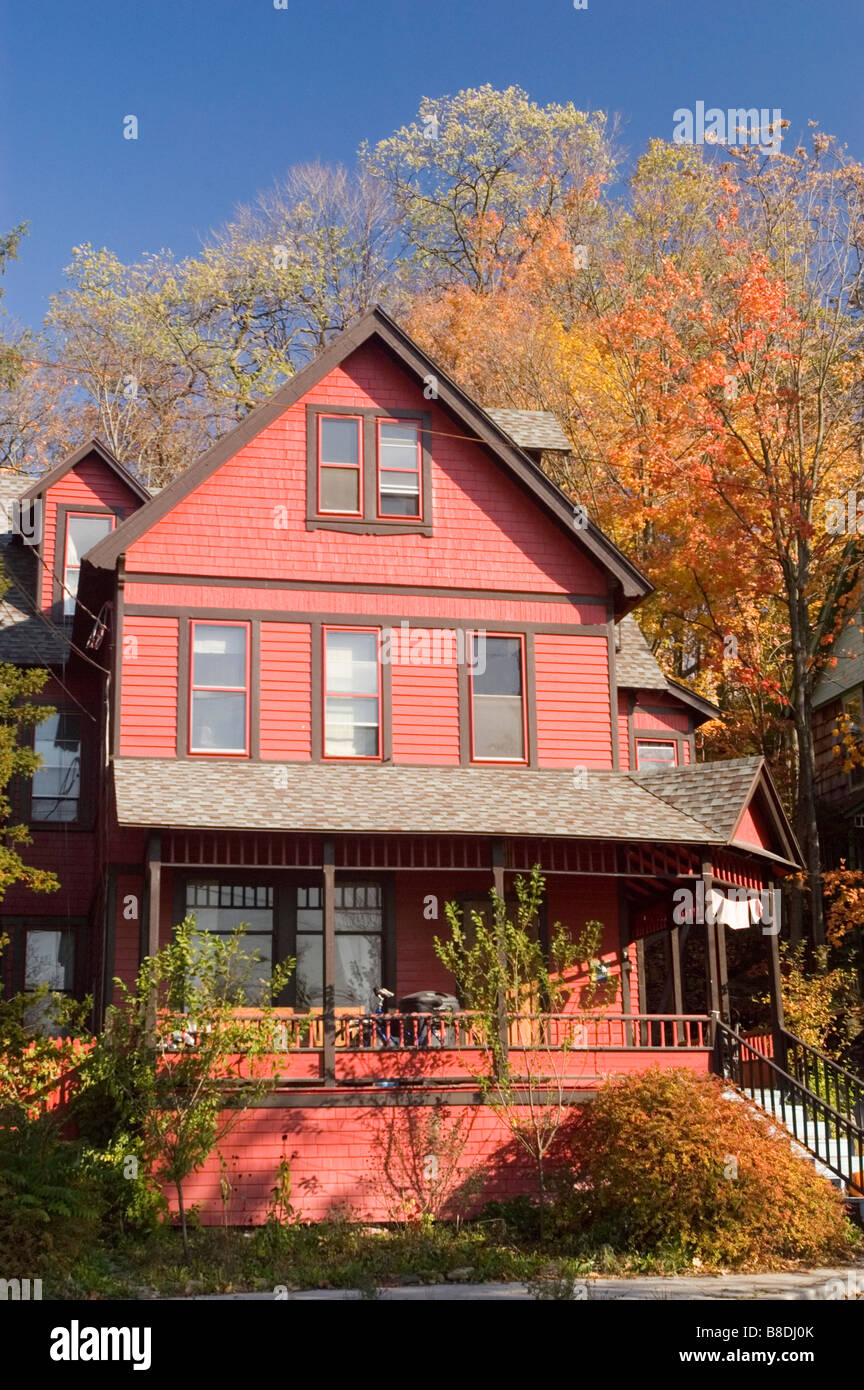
pixel 183 1226
pixel 806 825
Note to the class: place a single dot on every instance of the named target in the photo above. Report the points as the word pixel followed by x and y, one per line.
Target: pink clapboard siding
pixel 148 720
pixel 286 691
pixel 89 484
pixel 574 721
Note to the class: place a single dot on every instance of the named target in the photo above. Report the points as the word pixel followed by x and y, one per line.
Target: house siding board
pixel 416 607
pixel 89 484
pixel 623 732
pixel 127 930
pixel 148 718
pixel 487 533
pixel 286 690
pixel 831 780
pixel 425 703
pixel 652 719
pixel 572 694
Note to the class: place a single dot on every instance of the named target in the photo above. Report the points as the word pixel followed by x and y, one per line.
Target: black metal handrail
pixel 826 1078
pixel 825 1128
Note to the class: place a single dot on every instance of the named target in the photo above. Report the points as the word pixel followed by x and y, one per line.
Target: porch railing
pixel 835 1138
pixel 462 1032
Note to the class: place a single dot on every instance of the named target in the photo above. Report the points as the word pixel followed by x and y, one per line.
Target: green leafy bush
pixel 51 1205
pixel 666 1161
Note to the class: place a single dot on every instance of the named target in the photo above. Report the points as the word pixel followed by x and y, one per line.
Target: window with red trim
pixel 497 685
pixel 219 693
pixel 399 474
pixel 654 753
pixel 352 693
pixel 340 465
pixel 83 530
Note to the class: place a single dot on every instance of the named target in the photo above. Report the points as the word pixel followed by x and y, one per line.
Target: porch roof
pixel 354 798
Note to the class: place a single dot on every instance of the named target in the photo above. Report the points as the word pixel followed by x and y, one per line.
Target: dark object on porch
pixel 429 1031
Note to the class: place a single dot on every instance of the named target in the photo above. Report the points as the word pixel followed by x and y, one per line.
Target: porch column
pixel 677 992
pixel 775 990
pixel 723 971
pixel 624 953
pixel 498 883
pixel 710 944
pixel 153 885
pixel 329 976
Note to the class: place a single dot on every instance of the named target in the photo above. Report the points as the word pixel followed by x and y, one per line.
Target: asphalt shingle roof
pixel 710 792
pixel 530 429
pixel 635 667
pixel 214 794
pixel 25 637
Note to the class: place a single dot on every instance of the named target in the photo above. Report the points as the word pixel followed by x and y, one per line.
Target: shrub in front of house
pixel 666 1163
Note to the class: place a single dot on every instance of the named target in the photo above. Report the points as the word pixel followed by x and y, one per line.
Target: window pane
pixel 358 971
pixel 48 959
pixel 219 655
pixel 56 784
pixel 351 728
pixel 652 754
pixel 503 669
pixel 352 663
pixel 340 440
pixel 70 591
pixel 218 721
pixel 221 908
pixel 498 727
pixel 340 490
pixel 400 494
pixel 397 446
pixel 82 533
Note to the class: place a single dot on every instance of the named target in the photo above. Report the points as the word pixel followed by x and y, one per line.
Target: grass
pixel 339 1255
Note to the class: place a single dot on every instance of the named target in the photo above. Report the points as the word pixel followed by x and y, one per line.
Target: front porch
pixel 359 913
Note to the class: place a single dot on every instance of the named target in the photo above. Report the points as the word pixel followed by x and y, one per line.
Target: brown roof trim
pixel 633 584
pixel 94 446
pixel 697 702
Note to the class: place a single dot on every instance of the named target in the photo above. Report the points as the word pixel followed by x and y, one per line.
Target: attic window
pixel 368 470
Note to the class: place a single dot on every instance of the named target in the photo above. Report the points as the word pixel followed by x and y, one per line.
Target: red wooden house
pixel 360 659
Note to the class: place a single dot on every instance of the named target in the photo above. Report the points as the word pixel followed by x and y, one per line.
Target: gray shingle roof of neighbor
pixel 26 637
pixel 847 672
pixel 349 798
pixel 531 429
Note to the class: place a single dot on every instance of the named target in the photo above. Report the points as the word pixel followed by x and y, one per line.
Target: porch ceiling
pixel 354 798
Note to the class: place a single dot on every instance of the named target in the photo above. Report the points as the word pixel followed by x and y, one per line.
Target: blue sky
pixel 230 93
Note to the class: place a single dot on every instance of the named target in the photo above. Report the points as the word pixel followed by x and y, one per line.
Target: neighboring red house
pixel 361 659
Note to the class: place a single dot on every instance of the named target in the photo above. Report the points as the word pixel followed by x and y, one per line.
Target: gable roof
pixel 719 794
pixel 375 323
pixel 531 429
pixel 397 799
pixel 94 446
pixel 636 668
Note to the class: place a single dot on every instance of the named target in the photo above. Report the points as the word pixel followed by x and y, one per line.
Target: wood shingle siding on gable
pixel 487 534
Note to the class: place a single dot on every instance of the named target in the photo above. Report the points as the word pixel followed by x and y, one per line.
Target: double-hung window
pixel 82 532
pixel 56 787
pixel 399 471
pixel 352 693
pixel 219 697
pixel 369 471
pixel 340 465
pixel 497 684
